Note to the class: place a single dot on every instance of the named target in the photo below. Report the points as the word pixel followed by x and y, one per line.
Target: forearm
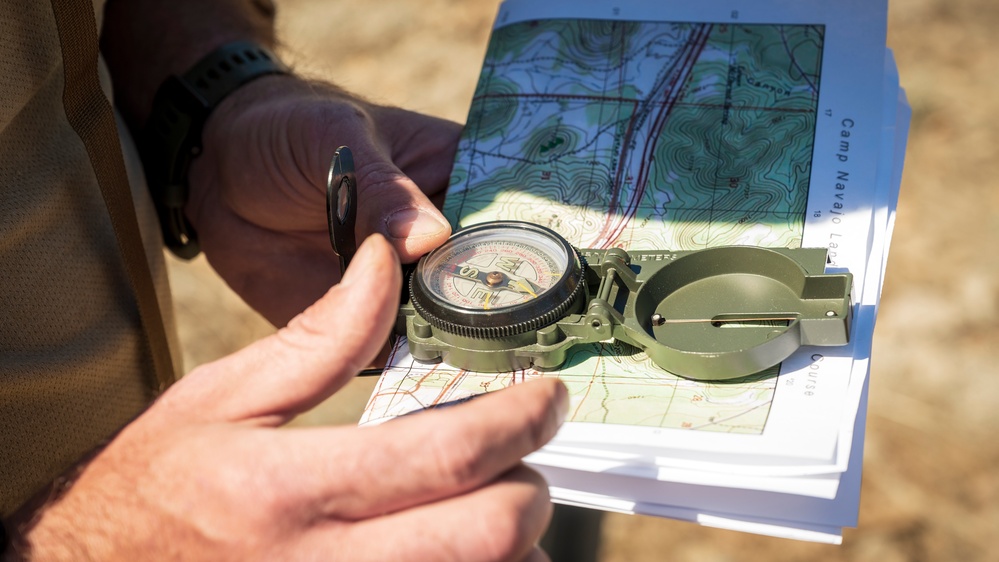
pixel 145 41
pixel 256 190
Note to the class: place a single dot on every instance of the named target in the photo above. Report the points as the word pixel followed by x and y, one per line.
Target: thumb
pixel 391 204
pixel 318 352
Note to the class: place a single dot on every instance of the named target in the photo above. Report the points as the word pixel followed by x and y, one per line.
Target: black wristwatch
pixel 172 136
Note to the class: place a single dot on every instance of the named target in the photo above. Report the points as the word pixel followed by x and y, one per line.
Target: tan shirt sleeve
pixel 74 367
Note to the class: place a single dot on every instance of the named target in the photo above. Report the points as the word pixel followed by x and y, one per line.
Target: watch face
pixel 496 274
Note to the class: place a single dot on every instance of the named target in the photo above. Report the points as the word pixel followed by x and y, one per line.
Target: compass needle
pixel 526 288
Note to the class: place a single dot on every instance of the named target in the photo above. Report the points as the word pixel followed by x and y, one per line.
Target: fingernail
pixel 412 222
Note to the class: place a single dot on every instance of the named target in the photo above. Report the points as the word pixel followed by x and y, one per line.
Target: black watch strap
pixel 172 136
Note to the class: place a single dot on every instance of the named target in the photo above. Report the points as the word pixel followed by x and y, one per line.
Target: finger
pixel 364 472
pixel 423 147
pixel 279 274
pixel 390 203
pixel 500 521
pixel 304 362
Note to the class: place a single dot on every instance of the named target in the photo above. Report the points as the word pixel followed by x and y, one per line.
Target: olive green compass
pixel 497 281
pixel 508 295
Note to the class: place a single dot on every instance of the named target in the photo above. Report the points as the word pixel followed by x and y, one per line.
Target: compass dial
pixel 497 279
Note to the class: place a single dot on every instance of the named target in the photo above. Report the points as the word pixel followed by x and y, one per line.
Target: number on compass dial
pixel 498 279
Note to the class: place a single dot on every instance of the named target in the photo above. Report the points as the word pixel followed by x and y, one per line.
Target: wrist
pixel 172 137
pixel 140 61
pixel 252 135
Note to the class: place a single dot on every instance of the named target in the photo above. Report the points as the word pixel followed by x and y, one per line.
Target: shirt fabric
pixel 74 363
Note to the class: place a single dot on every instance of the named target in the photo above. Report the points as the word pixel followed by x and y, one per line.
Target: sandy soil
pixel 930 487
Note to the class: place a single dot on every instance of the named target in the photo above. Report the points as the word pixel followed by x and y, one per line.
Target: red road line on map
pixel 416 387
pixel 659 125
pixel 613 226
pixel 679 79
pixel 447 388
pixel 617 184
pixel 589 386
pixel 674 96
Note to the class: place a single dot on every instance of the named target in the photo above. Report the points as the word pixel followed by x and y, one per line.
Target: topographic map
pixel 639 135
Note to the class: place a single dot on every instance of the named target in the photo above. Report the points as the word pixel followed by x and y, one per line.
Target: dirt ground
pixel 930 488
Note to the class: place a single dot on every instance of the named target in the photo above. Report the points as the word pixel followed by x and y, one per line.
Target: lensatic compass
pixel 497 280
pixel 508 295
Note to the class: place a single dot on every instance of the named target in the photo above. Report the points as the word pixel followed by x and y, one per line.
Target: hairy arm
pixel 145 41
pixel 257 191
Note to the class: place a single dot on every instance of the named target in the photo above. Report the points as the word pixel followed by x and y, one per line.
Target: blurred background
pixel 931 487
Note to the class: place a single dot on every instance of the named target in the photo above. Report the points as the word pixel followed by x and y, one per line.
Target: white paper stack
pixel 679 126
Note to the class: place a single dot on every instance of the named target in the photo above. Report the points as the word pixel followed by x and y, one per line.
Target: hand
pixel 205 473
pixel 258 192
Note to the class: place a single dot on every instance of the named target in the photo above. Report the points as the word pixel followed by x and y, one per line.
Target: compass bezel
pixel 550 306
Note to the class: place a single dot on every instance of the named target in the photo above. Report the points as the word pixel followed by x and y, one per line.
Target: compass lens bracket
pixel 341 205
